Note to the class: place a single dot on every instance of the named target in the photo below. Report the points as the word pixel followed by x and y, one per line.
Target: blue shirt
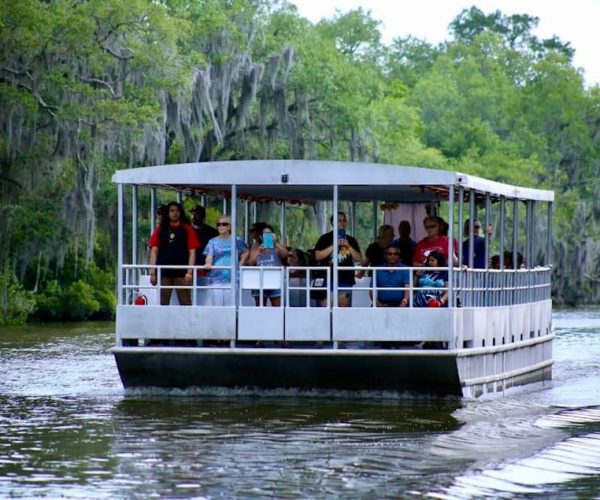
pixel 396 278
pixel 478 252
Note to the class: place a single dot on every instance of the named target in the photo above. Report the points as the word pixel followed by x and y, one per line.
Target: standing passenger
pixel 478 246
pixel 348 253
pixel 218 253
pixel 204 232
pixel 268 254
pixel 174 243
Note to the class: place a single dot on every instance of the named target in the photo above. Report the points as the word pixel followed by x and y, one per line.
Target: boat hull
pixel 433 372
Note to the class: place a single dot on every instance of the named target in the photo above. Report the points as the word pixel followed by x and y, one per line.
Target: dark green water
pixel 69 430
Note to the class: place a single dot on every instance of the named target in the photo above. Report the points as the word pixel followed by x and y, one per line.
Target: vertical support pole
pixel 134 227
pixel 180 197
pixel 353 215
pixel 153 208
pixel 235 265
pixel 451 291
pixel 501 249
pixel 549 236
pixel 515 248
pixel 246 220
pixel 283 225
pixel 121 243
pixel 374 219
pixel 335 245
pixel 460 281
pixel 486 224
pixel 471 224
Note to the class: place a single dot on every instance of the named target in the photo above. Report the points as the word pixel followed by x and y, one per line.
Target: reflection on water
pixel 68 429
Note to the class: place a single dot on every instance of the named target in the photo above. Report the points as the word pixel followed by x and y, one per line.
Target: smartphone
pixel 268 240
pixel 341 234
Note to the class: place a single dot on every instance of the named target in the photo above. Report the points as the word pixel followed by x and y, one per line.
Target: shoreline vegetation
pixel 87 88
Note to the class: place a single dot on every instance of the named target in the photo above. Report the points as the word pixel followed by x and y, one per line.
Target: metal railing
pixel 312 287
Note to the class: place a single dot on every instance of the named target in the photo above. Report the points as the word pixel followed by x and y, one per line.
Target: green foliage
pixel 16 303
pixel 91 296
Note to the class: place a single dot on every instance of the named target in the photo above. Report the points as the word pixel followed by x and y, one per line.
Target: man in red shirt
pixel 174 242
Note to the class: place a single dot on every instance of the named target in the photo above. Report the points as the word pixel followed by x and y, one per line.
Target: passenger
pixel 495 262
pixel 297 258
pixel 348 253
pixel 269 253
pixel 297 277
pixel 432 280
pixel 204 232
pixel 508 261
pixel 391 278
pixel 174 242
pixel 478 246
pixel 433 242
pixel 375 250
pixel 218 253
pixel 255 233
pixel 405 243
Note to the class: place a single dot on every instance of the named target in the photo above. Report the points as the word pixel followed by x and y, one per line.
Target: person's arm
pixel 322 250
pixel 356 255
pixel 321 255
pixel 244 252
pixel 191 263
pixel 153 259
pixel 252 256
pixel 281 250
pixel 354 251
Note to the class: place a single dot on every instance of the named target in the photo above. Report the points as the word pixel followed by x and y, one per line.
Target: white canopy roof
pixel 313 180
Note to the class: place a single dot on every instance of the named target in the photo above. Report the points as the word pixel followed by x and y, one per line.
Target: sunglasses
pixel 222 224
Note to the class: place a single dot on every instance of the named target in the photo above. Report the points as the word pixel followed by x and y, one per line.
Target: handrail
pixel 476 288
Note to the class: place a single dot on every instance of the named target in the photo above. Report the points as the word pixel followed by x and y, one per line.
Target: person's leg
pixel 216 297
pixel 165 293
pixel 276 301
pixel 184 295
pixel 227 297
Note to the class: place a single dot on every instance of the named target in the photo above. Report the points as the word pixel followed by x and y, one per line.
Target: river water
pixel 69 430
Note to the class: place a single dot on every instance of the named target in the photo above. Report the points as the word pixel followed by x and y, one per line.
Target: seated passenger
pixel 405 243
pixel 375 250
pixel 394 277
pixel 434 281
pixel 268 252
pixel 297 277
pixel 434 241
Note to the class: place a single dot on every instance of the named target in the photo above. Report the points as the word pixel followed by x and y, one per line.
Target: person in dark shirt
pixel 348 253
pixel 375 257
pixel 204 232
pixel 173 242
pixel 405 243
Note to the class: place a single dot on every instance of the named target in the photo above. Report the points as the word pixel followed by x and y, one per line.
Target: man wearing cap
pixel 204 232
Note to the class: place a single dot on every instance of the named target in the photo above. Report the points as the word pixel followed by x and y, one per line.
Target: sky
pixel 574 21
